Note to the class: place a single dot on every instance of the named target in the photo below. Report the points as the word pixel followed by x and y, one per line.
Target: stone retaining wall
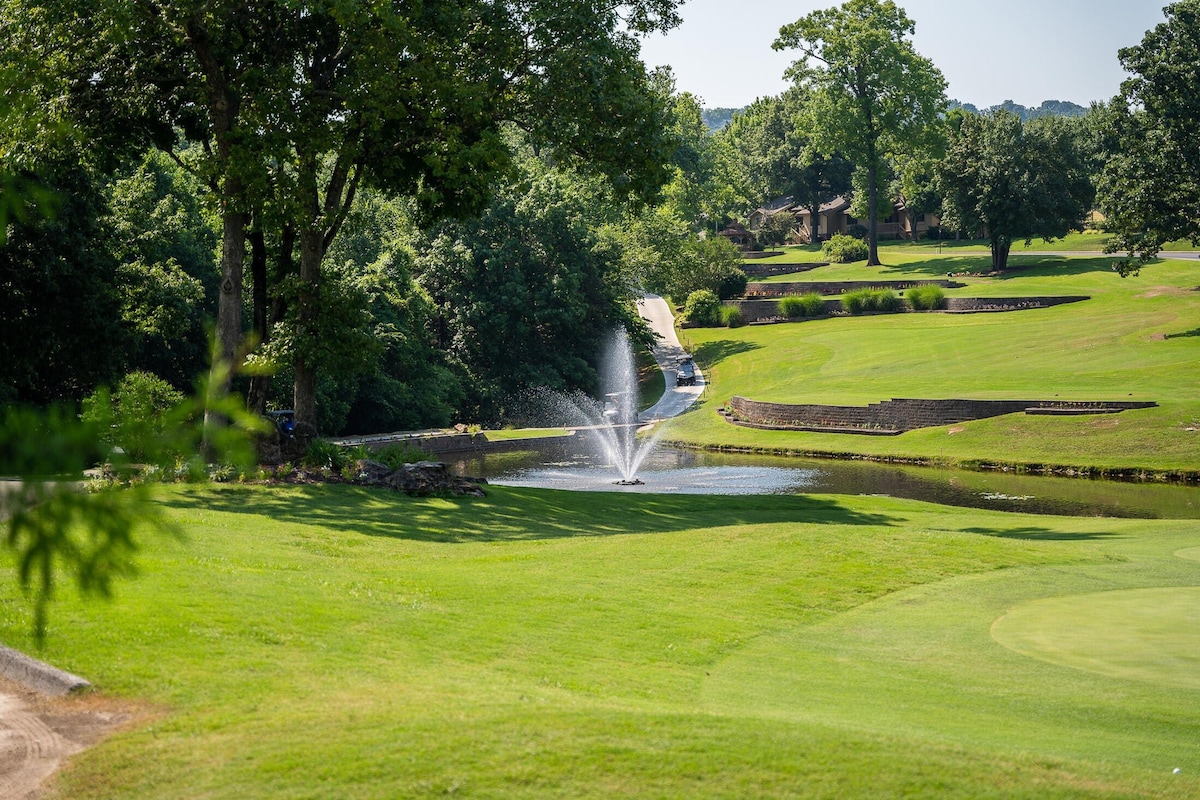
pixel 838 287
pixel 768 270
pixel 967 305
pixel 902 414
pixel 755 310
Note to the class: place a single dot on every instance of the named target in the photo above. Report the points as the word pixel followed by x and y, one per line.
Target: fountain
pixel 618 435
pixel 610 427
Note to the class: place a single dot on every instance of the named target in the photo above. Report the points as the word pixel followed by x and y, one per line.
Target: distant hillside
pixel 717 118
pixel 1049 108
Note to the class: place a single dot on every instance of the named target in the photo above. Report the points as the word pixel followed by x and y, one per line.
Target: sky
pixel 989 51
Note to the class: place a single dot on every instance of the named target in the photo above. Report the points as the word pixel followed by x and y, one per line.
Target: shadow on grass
pixel 1030 533
pixel 711 353
pixel 512 514
pixel 1185 334
pixel 1020 266
pixel 939 266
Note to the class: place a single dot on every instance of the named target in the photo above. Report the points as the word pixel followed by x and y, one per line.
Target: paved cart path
pixel 668 352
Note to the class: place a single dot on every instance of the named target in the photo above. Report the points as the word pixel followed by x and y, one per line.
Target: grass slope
pixel 314 642
pixel 1135 339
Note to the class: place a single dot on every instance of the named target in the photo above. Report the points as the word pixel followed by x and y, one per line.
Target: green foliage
pixel 1018 180
pixel 136 415
pixel 866 301
pixel 807 305
pixel 167 274
pixel 872 96
pixel 843 249
pixel 703 307
pixel 731 317
pixel 322 454
pixel 51 525
pixel 60 325
pixel 526 293
pixel 55 526
pixel 1150 189
pixel 732 284
pixel 398 454
pixel 777 159
pixel 926 298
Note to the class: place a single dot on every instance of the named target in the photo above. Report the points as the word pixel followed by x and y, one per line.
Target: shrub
pixel 732 284
pixel 324 454
pixel 808 305
pixel 400 453
pixel 842 249
pixel 731 317
pixel 703 307
pixel 926 298
pixel 135 414
pixel 855 302
pixel 863 301
pixel 885 300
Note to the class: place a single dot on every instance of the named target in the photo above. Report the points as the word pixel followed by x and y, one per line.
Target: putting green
pixel 1141 634
pixel 1190 553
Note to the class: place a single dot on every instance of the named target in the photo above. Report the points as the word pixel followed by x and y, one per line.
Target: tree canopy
pixel 1150 186
pixel 1014 180
pixel 297 105
pixel 873 96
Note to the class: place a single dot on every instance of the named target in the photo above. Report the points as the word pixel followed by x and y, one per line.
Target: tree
pixel 872 95
pixel 527 293
pixel 1150 186
pixel 780 157
pixel 167 271
pixel 60 326
pixel 300 104
pixel 1015 180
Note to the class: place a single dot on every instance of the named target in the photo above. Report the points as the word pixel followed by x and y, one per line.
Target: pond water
pixel 557 466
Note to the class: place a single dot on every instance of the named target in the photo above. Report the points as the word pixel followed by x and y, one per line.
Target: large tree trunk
pixel 229 316
pixel 256 396
pixel 308 297
pixel 1000 247
pixel 872 217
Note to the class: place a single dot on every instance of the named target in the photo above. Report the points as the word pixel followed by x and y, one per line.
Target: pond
pixel 556 465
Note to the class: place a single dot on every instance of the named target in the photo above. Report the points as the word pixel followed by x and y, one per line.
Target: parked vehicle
pixel 285 421
pixel 685 373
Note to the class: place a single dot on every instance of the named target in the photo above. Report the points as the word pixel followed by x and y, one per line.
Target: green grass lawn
pixel 1137 338
pixel 337 642
pixel 1075 241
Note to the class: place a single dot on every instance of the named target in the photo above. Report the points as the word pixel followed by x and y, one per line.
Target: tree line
pixel 395 217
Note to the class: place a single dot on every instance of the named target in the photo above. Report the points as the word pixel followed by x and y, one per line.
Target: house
pixel 737 234
pixel 834 217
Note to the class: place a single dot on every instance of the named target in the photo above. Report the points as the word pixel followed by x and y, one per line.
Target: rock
pixel 424 478
pixel 368 471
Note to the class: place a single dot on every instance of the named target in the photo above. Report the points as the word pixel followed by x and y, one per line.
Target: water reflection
pixel 688 472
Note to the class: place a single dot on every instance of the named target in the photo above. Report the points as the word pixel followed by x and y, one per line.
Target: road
pixel 668 353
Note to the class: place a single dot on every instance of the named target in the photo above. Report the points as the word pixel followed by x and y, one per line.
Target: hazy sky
pixel 989 51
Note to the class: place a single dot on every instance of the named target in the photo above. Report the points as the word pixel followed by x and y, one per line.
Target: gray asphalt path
pixel 1190 255
pixel 668 352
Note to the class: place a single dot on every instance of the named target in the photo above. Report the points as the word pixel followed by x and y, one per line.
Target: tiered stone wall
pixel 838 287
pixel 899 415
pixel 770 270
pixel 754 310
pixel 969 305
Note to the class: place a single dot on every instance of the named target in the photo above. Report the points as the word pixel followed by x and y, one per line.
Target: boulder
pixel 423 479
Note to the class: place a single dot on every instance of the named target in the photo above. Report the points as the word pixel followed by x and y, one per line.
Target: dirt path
pixel 37 733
